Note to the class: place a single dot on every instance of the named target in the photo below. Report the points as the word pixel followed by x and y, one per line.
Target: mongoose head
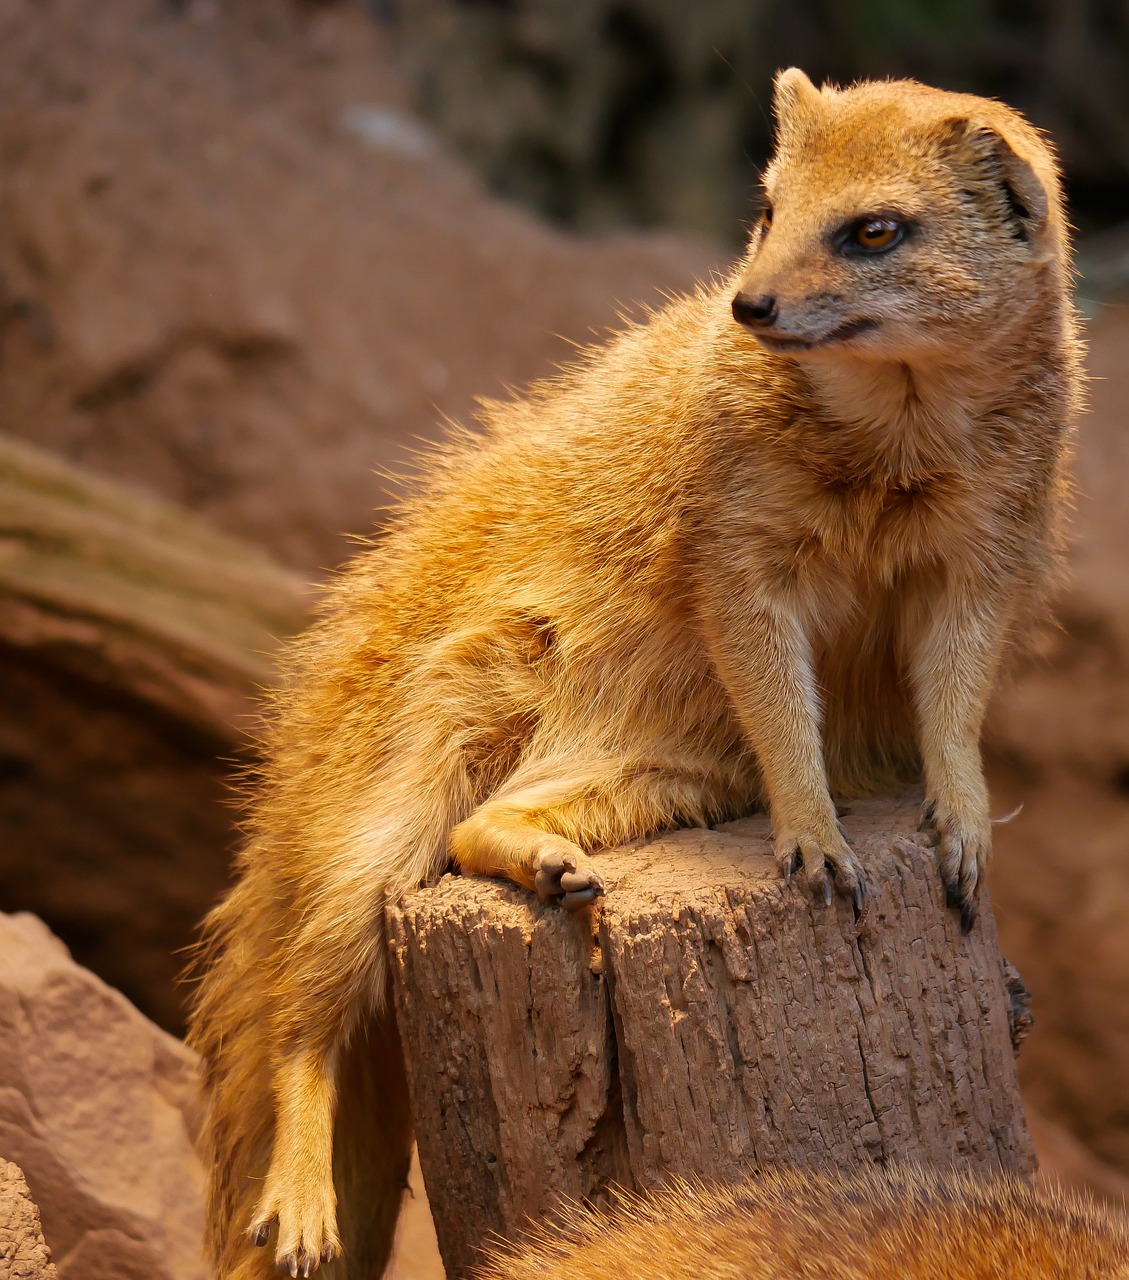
pixel 900 223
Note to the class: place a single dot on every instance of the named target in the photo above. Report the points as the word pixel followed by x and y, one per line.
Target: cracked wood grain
pixel 706 1020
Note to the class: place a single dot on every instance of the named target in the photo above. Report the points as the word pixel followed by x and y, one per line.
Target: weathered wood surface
pixel 704 1020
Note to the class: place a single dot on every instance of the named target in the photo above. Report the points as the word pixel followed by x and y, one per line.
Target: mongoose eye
pixel 874 235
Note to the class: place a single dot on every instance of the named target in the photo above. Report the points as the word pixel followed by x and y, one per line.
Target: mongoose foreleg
pixel 952 669
pixel 764 658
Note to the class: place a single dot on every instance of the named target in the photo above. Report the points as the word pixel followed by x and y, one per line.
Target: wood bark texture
pixel 704 1020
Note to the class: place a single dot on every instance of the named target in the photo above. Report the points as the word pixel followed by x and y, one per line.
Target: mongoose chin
pixel 713 566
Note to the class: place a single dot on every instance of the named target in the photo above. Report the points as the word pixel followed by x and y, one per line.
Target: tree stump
pixel 703 1020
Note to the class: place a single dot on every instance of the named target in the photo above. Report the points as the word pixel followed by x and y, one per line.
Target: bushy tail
pixel 372 1142
pixel 294 1007
pixel 237 1125
pixel 293 1018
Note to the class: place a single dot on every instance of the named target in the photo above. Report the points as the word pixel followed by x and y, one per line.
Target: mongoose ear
pixel 1025 193
pixel 794 98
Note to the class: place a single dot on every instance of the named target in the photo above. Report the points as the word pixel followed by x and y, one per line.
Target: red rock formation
pixel 232 269
pixel 95 1108
pixel 133 641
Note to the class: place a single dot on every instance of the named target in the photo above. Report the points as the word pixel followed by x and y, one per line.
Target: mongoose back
pixel 766 549
pixel 786 1225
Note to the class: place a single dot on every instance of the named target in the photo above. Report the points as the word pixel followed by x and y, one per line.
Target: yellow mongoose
pixel 868 1226
pixel 716 565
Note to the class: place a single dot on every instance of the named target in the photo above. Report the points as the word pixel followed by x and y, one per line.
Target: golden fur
pixel 907 1225
pixel 701 571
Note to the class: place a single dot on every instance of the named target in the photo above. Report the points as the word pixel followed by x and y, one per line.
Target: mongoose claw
pixel 859 900
pixel 857 892
pixel 301 1263
pixel 306 1233
pixel 567 878
pixel 954 897
pixel 825 869
pixel 967 916
pixel 963 848
pixel 819 884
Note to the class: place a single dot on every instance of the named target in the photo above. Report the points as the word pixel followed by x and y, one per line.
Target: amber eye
pixel 876 234
pixel 766 216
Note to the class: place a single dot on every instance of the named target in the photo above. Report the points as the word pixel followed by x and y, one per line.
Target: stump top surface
pixel 679 865
pixel 738 855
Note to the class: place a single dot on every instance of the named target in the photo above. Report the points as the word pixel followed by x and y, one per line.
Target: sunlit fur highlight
pixel 687 577
pixel 792 1226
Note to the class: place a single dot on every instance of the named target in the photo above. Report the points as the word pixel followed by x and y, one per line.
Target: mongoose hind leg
pixel 503 839
pixel 298 1196
pixel 536 829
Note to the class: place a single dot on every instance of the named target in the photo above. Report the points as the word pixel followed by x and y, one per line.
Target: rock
pixel 234 270
pixel 135 639
pixel 416 1252
pixel 96 1108
pixel 23 1253
pixel 1077 680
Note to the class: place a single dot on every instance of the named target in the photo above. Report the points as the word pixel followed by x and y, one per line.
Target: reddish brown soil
pixel 211 286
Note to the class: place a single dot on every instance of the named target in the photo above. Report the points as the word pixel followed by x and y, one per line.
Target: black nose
pixel 758 313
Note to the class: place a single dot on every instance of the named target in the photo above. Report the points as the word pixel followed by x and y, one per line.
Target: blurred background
pixel 654 113
pixel 252 252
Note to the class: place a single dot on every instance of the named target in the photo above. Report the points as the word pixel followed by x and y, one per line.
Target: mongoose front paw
pixel 963 848
pixel 567 878
pixel 827 865
pixel 306 1236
